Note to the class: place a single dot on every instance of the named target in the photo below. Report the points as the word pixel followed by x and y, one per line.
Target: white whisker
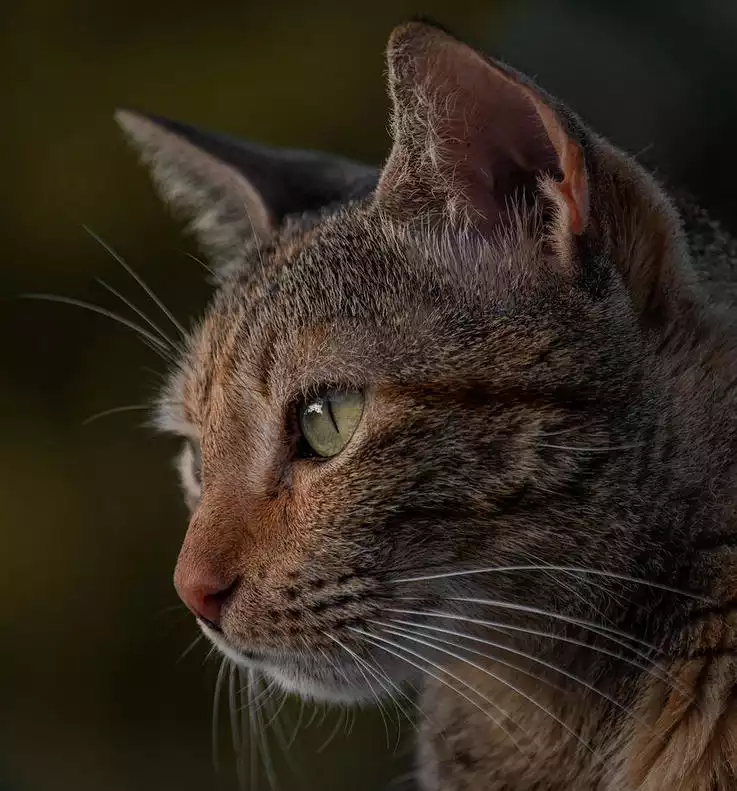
pixel 608 632
pixel 590 449
pixel 277 709
pixel 253 752
pixel 542 567
pixel 164 337
pixel 548 635
pixel 524 654
pixel 374 671
pixel 295 730
pixel 129 269
pixel 152 340
pixel 116 410
pixel 373 640
pixel 190 647
pixel 281 741
pixel 334 732
pixel 216 713
pixel 500 679
pixel 265 749
pixel 379 703
pixel 201 263
pixel 235 729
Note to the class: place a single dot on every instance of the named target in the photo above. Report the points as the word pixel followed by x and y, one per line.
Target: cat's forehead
pixel 296 309
pixel 341 301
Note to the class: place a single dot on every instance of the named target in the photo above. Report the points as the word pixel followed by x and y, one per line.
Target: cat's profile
pixel 467 419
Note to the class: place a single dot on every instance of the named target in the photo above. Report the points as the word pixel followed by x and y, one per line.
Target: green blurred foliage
pixel 91 690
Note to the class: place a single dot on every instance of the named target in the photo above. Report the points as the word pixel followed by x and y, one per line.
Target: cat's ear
pixel 234 191
pixel 471 136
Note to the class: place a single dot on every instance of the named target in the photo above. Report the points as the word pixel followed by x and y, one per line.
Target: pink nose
pixel 204 599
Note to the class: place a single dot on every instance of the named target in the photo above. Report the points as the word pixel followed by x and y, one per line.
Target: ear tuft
pixel 224 208
pixel 235 192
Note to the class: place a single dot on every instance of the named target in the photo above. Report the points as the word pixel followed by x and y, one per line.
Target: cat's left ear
pixel 471 137
pixel 235 192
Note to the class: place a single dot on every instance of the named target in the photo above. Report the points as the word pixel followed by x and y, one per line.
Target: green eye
pixel 328 420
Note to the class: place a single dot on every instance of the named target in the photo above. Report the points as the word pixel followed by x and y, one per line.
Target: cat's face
pixel 451 398
pixel 396 387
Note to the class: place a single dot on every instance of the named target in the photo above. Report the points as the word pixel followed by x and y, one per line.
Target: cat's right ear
pixel 471 137
pixel 235 192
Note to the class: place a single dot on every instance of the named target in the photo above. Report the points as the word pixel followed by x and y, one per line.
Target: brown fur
pixel 545 385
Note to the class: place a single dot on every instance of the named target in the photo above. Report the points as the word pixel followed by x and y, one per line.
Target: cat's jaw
pixel 302 676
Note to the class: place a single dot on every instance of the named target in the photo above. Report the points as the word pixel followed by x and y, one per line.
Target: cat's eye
pixel 327 421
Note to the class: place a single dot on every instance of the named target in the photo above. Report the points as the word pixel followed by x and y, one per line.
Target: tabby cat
pixel 466 420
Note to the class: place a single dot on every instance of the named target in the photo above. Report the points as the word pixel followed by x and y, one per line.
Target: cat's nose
pixel 204 597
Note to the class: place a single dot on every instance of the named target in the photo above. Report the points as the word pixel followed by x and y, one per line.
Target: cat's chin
pixel 319 684
pixel 317 690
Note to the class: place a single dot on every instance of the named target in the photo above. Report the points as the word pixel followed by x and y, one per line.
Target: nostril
pixel 214 602
pixel 207 601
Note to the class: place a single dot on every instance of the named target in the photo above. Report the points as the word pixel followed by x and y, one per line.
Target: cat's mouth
pixel 313 676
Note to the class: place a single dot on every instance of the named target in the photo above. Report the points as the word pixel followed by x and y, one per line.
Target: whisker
pixel 432 644
pixel 244 683
pixel 590 449
pixel 265 695
pixel 216 714
pixel 116 410
pixel 350 722
pixel 569 430
pixel 201 263
pixel 361 663
pixel 296 728
pixel 282 743
pixel 313 716
pixel 277 709
pixel 608 632
pixel 360 666
pixel 401 693
pixel 153 341
pixel 373 640
pixel 550 636
pixel 571 569
pixel 253 754
pixel 265 750
pixel 180 608
pixel 324 709
pixel 395 700
pixel 577 594
pixel 334 732
pixel 235 730
pixel 422 629
pixel 190 647
pixel 164 337
pixel 129 269
pixel 532 658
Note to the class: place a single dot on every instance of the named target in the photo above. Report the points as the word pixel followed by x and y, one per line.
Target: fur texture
pixel 535 518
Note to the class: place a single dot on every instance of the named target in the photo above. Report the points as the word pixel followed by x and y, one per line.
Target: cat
pixel 466 420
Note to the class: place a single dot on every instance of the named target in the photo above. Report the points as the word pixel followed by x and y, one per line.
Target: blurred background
pixel 94 691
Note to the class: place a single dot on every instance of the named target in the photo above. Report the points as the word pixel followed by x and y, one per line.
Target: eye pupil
pixel 327 421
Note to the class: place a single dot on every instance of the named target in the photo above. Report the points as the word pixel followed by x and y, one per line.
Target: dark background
pixel 92 695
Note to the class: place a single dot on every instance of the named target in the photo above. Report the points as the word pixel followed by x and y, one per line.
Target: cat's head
pixel 406 372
